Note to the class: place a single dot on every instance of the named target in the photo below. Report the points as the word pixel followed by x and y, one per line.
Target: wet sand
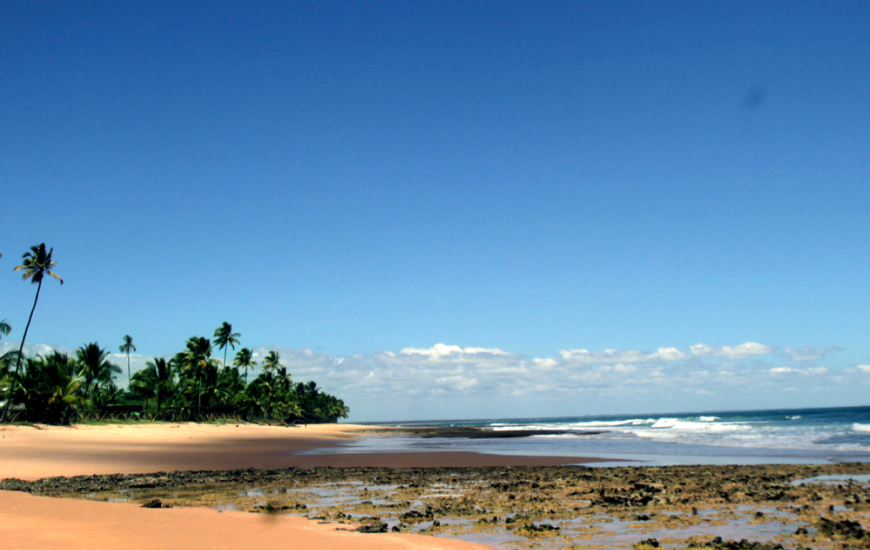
pixel 31 522
pixel 33 453
pixel 482 498
pixel 42 522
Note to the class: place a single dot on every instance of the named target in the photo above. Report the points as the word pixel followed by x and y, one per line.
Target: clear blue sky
pixel 351 179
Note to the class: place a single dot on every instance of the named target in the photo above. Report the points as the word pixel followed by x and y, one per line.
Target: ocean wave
pixel 676 424
pixel 612 423
pixel 790 431
pixel 592 424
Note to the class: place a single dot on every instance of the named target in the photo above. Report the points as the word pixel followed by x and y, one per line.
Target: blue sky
pixel 344 181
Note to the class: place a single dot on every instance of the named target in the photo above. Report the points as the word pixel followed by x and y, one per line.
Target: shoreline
pixel 212 476
pixel 36 452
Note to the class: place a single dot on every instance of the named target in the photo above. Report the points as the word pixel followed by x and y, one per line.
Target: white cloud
pixel 669 354
pixel 444 379
pixel 808 353
pixel 440 351
pixel 545 364
pixel 458 382
pixel 608 356
pixel 742 351
pixel 33 349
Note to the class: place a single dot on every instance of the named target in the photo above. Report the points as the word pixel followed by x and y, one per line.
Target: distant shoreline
pixel 469 432
pixel 36 452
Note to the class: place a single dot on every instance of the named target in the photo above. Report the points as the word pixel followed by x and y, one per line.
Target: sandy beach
pixel 53 523
pixel 44 451
pixel 214 476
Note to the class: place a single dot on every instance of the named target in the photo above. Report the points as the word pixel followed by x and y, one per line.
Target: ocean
pixel 712 437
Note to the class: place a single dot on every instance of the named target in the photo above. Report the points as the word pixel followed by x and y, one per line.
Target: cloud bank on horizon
pixel 449 381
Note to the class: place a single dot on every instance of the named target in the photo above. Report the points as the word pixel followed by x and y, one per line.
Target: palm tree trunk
pixel 20 351
pixel 129 379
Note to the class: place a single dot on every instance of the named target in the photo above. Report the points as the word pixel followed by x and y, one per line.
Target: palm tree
pixel 6 361
pixel 245 358
pixel 156 380
pixel 50 388
pixel 37 264
pixel 224 336
pixel 5 328
pixel 127 347
pixel 95 368
pixel 272 361
pixel 197 362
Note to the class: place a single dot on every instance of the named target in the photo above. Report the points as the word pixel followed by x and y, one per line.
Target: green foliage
pixel 95 367
pixel 49 389
pixel 245 359
pixel 57 389
pixel 224 336
pixel 37 264
pixel 156 380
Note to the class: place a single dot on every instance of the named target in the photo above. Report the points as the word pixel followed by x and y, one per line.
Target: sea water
pixel 713 437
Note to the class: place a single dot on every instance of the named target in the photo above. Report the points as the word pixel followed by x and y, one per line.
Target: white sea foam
pixel 573 425
pixel 788 433
pixel 690 425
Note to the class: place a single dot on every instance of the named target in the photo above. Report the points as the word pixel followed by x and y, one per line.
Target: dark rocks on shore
pixel 373 528
pixel 156 503
pixel 719 544
pixel 661 497
pixel 843 529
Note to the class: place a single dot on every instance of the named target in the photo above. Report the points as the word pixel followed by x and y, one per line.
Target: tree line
pixel 192 384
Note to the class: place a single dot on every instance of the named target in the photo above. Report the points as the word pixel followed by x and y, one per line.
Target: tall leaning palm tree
pixel 127 347
pixel 245 358
pixel 36 265
pixel 224 336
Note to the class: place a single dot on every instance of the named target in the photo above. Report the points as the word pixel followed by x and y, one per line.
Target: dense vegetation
pixel 192 385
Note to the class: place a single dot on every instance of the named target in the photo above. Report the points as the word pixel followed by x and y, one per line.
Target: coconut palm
pixel 272 361
pixel 245 358
pixel 5 328
pixel 127 347
pixel 50 388
pixel 95 368
pixel 197 363
pixel 37 264
pixel 224 336
pixel 155 380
